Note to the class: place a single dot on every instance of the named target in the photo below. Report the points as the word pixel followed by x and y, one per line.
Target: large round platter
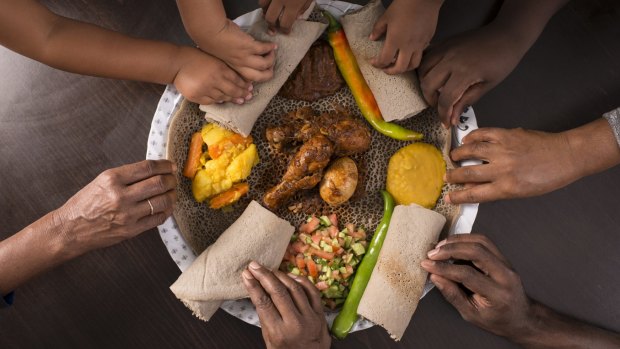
pixel 177 246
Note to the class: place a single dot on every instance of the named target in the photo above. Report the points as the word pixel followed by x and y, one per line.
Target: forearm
pixel 29 28
pixel 202 18
pixel 526 19
pixel 549 330
pixel 593 147
pixel 31 251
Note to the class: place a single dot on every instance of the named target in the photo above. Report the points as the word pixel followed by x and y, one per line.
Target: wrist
pixel 63 236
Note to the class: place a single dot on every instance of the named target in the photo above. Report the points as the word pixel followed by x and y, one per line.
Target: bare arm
pixel 498 302
pixel 83 224
pixel 30 29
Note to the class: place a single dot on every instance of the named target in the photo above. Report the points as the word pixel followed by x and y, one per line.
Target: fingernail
pixel 254 265
pixel 432 252
pixel 445 177
pixel 275 47
pixel 247 275
pixel 174 167
pixel 251 88
pixel 220 102
pixel 426 263
pixel 441 243
pixel 446 199
pixel 239 100
pixel 248 97
pixel 438 284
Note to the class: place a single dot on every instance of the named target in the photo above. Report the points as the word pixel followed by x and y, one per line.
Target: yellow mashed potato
pixel 415 175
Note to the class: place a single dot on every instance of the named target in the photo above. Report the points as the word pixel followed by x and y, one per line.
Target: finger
pixel 485 134
pixel 160 203
pixel 471 96
pixel 480 193
pixel 204 100
pixel 273 14
pixel 288 18
pixel 262 47
pixel 432 82
pixel 261 62
pixel 265 308
pixel 475 252
pixel 471 174
pixel 475 238
pixel 314 296
pixel 257 75
pixel 234 93
pixel 233 77
pixel 151 187
pixel 133 173
pixel 150 222
pixel 401 64
pixel 463 274
pixel 277 291
pixel 414 62
pixel 297 292
pixel 379 29
pixel 476 150
pixel 450 94
pixel 454 295
pixel 430 59
pixel 263 3
pixel 386 56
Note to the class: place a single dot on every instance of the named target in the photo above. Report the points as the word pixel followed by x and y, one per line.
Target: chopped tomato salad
pixel 326 255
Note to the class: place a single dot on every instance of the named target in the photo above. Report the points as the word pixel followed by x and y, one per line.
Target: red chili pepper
pixel 359 88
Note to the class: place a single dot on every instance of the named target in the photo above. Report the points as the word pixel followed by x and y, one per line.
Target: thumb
pixel 471 96
pixel 379 29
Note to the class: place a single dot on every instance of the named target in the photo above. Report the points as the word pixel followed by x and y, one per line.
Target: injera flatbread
pixel 291 49
pixel 397 281
pixel 200 226
pixel 398 96
pixel 215 276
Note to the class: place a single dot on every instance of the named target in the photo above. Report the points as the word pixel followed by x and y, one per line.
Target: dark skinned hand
pixel 498 303
pixel 408 26
pixel 289 308
pixel 517 163
pixel 457 72
pixel 281 14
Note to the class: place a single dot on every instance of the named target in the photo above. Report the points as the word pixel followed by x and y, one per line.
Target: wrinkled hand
pixel 518 163
pixel 498 303
pixel 252 59
pixel 281 14
pixel 289 309
pixel 114 207
pixel 457 72
pixel 204 79
pixel 408 26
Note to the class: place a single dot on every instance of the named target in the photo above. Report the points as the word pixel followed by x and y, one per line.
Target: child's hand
pixel 204 79
pixel 408 26
pixel 252 59
pixel 281 14
pixel 456 73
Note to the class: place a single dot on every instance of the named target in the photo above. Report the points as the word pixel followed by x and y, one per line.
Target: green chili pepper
pixel 347 64
pixel 348 315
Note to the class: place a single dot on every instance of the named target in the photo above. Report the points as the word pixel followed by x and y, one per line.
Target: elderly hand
pixel 281 14
pixel 289 308
pixel 119 204
pixel 498 303
pixel 518 163
pixel 409 26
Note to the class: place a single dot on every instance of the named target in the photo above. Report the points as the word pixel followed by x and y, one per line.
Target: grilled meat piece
pixel 315 77
pixel 304 172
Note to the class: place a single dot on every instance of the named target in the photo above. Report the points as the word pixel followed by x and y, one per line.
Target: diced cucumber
pixel 315 246
pixel 342 270
pixel 328 248
pixel 341 235
pixel 295 271
pixel 325 221
pixel 358 248
pixel 347 241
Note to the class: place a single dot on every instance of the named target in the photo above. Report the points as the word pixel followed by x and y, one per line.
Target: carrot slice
pixel 229 196
pixel 193 156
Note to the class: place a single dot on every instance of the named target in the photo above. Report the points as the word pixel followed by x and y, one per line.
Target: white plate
pixel 176 245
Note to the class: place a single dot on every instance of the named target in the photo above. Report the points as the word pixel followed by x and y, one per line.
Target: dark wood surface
pixel 59 130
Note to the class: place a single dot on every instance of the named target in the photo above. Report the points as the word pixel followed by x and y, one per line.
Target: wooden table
pixel 59 130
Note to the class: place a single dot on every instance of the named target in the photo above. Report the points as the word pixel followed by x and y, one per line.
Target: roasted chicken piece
pixel 349 135
pixel 304 172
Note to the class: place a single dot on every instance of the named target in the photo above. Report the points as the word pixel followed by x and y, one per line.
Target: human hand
pixel 457 72
pixel 498 303
pixel 517 163
pixel 115 205
pixel 281 14
pixel 408 26
pixel 204 79
pixel 289 309
pixel 252 59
